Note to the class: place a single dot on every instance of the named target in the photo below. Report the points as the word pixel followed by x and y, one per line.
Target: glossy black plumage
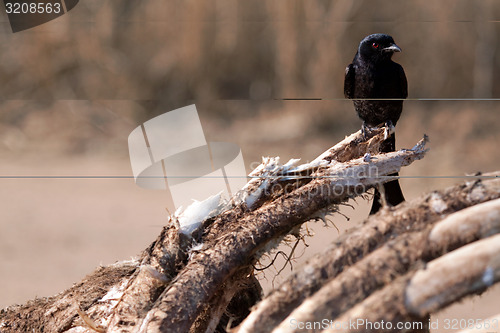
pixel 378 86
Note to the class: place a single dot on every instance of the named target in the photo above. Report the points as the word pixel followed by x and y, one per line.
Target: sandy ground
pixel 55 231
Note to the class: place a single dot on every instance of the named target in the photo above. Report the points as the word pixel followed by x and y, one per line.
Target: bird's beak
pixel 392 48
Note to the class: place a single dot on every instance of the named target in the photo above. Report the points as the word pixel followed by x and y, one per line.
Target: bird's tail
pixel 393 192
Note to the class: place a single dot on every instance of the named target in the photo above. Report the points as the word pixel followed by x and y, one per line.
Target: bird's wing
pixel 349 81
pixel 403 81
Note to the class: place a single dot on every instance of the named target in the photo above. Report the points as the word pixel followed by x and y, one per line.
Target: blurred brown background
pixel 74 88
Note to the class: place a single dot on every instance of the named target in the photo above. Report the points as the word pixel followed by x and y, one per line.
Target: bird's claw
pixel 364 131
pixel 388 129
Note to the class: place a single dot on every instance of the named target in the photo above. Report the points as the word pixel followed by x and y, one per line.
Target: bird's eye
pixel 375 45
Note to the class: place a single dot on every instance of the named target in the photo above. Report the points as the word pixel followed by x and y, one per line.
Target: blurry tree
pixel 167 54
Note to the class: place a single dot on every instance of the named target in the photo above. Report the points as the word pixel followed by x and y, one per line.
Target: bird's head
pixel 377 47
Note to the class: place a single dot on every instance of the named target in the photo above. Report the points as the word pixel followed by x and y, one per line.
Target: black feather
pixel 378 86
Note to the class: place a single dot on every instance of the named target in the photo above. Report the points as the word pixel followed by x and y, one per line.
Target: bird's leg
pixel 364 130
pixel 389 128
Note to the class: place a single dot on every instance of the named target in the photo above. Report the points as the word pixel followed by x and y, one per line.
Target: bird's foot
pixel 364 131
pixel 389 129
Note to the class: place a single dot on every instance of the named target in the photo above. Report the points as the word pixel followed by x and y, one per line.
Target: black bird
pixel 378 86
